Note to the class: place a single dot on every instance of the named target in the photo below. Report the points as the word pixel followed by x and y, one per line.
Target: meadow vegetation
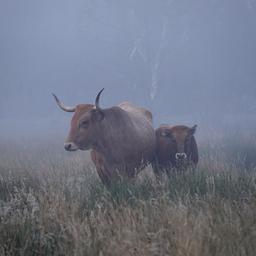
pixel 52 203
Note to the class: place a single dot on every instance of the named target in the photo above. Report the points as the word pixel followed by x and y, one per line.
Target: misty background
pixel 187 61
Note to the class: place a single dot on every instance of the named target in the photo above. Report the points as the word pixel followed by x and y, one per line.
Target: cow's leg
pixel 102 171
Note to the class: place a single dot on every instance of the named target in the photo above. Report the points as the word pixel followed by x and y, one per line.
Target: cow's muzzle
pixel 70 146
pixel 180 156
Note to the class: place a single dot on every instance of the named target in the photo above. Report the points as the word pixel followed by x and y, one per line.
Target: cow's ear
pixel 192 130
pixel 97 115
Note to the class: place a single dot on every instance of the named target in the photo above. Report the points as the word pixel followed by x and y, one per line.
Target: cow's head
pixel 176 140
pixel 85 118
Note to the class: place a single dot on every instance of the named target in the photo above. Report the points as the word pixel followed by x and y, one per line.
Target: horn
pixel 98 99
pixel 62 106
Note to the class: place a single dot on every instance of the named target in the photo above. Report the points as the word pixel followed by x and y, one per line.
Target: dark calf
pixel 176 148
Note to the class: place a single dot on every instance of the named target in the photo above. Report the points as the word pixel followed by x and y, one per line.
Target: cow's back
pixel 136 110
pixel 127 137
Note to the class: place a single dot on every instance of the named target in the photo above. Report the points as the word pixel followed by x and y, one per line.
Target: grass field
pixel 52 203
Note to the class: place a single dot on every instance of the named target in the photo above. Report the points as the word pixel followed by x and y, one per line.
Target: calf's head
pixel 83 123
pixel 173 142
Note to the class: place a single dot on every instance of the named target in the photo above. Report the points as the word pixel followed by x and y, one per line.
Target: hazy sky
pixel 176 57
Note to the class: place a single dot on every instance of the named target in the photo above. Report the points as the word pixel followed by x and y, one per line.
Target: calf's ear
pixel 97 115
pixel 192 130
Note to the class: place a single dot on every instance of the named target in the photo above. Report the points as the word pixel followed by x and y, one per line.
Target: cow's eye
pixel 84 124
pixel 166 134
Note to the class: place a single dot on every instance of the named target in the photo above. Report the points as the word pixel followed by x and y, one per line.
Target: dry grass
pixel 52 203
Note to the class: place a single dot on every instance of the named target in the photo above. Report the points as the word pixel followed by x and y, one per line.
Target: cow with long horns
pixel 176 148
pixel 121 137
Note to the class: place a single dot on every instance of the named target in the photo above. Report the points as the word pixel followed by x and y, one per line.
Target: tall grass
pixel 52 203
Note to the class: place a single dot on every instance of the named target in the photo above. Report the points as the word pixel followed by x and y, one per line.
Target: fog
pixel 187 61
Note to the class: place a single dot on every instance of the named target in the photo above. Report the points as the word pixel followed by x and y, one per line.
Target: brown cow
pixel 97 157
pixel 176 147
pixel 122 138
